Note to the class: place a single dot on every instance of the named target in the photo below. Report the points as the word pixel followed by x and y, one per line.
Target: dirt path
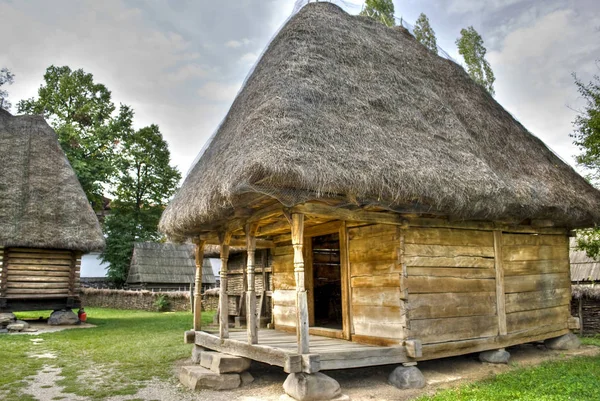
pixel 359 384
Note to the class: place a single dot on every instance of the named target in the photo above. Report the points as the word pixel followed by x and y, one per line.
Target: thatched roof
pixel 583 268
pixel 166 263
pixel 585 291
pixel 342 105
pixel 42 204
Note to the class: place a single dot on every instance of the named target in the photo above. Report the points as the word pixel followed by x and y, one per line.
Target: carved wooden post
pixel 301 298
pixel 199 257
pixel 251 293
pixel 223 299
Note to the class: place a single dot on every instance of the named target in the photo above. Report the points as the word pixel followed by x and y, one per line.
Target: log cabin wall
pixel 284 286
pixel 39 273
pixel 451 284
pixel 237 281
pixel 378 311
pixel 537 282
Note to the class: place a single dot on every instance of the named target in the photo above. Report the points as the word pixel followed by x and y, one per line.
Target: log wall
pixel 375 281
pixel 284 286
pixel 537 282
pixel 451 284
pixel 39 273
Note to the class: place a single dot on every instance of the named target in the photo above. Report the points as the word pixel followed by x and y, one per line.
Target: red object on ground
pixel 82 315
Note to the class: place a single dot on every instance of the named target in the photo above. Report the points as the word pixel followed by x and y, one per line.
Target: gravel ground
pixel 359 384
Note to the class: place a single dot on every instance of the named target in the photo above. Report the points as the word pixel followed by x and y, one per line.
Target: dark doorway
pixel 327 281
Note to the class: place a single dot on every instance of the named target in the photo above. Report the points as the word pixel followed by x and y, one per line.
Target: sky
pixel 180 63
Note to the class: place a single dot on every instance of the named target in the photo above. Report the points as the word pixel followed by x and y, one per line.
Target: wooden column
pixel 251 293
pixel 199 258
pixel 72 273
pixel 223 299
pixel 500 296
pixel 4 272
pixel 301 298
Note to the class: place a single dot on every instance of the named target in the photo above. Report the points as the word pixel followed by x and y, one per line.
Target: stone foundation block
pixel 565 342
pixel 6 319
pixel 342 397
pixel 246 377
pixel 311 387
pixel 18 325
pixel 405 377
pixel 495 356
pixel 196 377
pixel 223 363
pixel 63 317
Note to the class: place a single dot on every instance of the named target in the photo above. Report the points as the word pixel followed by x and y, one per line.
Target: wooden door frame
pixel 309 233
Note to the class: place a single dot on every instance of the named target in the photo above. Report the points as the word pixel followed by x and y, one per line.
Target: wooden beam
pixel 500 294
pixel 301 296
pixel 72 274
pixel 199 259
pixel 4 272
pixel 251 322
pixel 223 299
pixel 320 210
pixel 346 290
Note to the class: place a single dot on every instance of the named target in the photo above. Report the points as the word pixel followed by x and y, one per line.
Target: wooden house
pixel 585 281
pixel 408 215
pixel 46 221
pixel 166 267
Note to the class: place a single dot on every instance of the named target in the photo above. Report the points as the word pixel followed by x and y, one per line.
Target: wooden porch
pixel 281 349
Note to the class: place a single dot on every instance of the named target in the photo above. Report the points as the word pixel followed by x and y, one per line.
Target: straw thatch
pixel 343 105
pixel 166 264
pixel 583 268
pixel 42 204
pixel 591 291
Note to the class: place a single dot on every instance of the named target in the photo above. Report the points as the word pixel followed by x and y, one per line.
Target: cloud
pixel 249 58
pixel 533 68
pixel 478 6
pixel 234 44
pixel 187 72
pixel 219 92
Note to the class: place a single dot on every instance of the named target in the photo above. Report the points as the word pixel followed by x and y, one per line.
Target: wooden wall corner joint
pixel 500 291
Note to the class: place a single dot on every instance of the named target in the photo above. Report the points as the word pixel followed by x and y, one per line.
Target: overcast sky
pixel 180 63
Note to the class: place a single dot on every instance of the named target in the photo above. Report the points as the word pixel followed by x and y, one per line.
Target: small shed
pixel 46 221
pixel 166 267
pixel 408 216
pixel 585 280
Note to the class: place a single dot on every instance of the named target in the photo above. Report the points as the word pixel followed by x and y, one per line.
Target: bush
pixel 162 303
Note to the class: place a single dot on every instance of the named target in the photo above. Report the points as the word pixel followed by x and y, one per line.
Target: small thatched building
pixel 46 221
pixel 166 267
pixel 585 280
pixel 407 214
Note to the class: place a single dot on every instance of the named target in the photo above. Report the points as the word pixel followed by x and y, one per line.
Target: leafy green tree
pixel 425 34
pixel 380 10
pixel 587 138
pixel 6 77
pixel 470 46
pixel 144 185
pixel 82 114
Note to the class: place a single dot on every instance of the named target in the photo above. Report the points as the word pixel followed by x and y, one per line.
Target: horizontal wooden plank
pixel 29 284
pixel 557 317
pixel 448 251
pixel 281 264
pixel 447 236
pixel 451 272
pixel 284 281
pixel 44 256
pixel 458 261
pixel 43 279
pixel 427 284
pixel 39 250
pixel 529 239
pixel 526 267
pixel 361 358
pixel 523 301
pixel 378 314
pixel 45 262
pixel 372 251
pixel 536 282
pixel 451 329
pixel 17 291
pixel 378 296
pixel 385 280
pixel 358 268
pixel 53 268
pixel 380 329
pixel 534 252
pixel 369 232
pixel 282 250
pixel 442 305
pixel 284 315
pixel 284 297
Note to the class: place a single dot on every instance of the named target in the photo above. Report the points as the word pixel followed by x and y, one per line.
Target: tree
pixel 380 10
pixel 82 114
pixel 6 77
pixel 470 46
pixel 145 183
pixel 424 33
pixel 587 138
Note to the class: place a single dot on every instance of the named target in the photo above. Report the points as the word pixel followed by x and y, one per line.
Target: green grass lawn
pixel 126 347
pixel 573 379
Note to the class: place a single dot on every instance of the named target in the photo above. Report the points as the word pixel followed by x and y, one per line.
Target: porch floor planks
pixel 333 353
